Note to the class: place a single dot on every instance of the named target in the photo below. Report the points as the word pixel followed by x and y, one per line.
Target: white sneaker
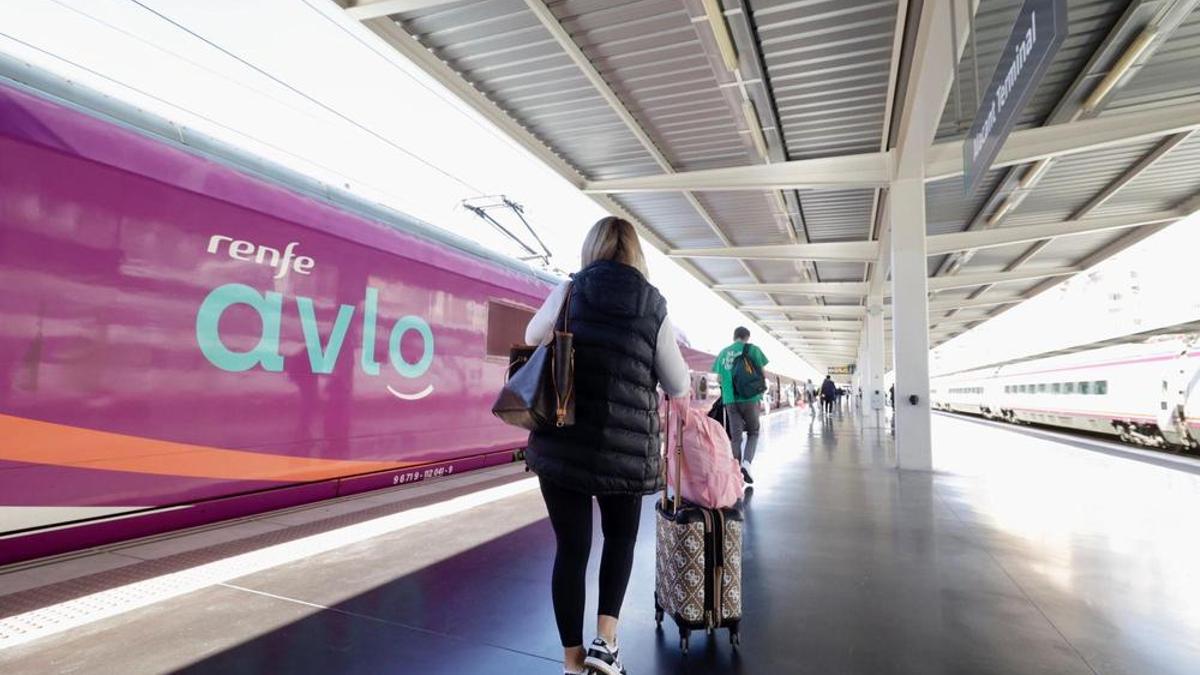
pixel 603 658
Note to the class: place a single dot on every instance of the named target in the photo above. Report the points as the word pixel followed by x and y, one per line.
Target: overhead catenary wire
pixel 452 101
pixel 306 96
pixel 149 96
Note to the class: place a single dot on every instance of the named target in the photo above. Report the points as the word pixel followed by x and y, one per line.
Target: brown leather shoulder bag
pixel 539 392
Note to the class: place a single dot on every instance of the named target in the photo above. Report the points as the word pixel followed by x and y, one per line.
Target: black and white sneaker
pixel 746 476
pixel 603 658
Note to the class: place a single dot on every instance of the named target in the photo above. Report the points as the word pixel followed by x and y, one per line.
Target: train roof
pixel 1113 347
pixel 37 82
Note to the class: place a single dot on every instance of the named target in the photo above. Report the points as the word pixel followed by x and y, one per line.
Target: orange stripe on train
pixel 37 442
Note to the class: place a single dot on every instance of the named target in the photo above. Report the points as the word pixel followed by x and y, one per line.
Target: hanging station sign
pixel 841 370
pixel 1038 32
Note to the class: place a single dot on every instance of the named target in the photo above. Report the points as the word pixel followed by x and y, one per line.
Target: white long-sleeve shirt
pixel 669 365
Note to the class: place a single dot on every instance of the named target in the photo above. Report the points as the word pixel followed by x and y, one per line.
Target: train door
pixel 1173 389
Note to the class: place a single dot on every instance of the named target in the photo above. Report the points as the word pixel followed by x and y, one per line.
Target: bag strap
pixel 564 312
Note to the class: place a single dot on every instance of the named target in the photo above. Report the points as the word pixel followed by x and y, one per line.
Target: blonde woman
pixel 624 348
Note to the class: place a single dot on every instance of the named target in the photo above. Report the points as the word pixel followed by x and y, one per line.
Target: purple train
pixel 177 332
pixel 188 334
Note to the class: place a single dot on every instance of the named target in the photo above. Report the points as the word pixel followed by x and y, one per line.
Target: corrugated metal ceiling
pixel 819 70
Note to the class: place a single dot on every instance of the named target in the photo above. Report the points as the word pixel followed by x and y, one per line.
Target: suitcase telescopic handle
pixel 678 459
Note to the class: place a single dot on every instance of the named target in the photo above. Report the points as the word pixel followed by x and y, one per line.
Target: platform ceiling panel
pixel 1168 183
pixel 775 271
pixel 994 259
pixel 672 217
pixel 750 298
pixel 748 218
pixel 650 53
pixel 841 271
pixel 1068 251
pixel 948 208
pixel 793 299
pixel 723 270
pixel 1073 181
pixel 500 47
pixel 828 64
pixel 837 215
pixel 1170 77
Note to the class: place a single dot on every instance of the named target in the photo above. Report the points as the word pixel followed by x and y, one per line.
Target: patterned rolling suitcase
pixel 698 562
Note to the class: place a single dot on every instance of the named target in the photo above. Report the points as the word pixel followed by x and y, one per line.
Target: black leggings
pixel 571 517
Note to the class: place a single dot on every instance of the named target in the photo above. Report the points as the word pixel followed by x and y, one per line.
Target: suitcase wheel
pixel 683 640
pixel 735 637
pixel 658 611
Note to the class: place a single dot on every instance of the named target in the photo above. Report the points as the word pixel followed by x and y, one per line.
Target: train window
pixel 1068 387
pixel 506 327
pixel 1100 387
pixel 1056 388
pixel 1041 388
pixel 1085 387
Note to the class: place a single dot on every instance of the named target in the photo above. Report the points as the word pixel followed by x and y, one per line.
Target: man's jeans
pixel 743 417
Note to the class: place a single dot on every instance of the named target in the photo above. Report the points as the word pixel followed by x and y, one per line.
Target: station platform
pixel 1019 554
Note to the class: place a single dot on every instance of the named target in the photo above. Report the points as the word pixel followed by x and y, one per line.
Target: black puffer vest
pixel 613 447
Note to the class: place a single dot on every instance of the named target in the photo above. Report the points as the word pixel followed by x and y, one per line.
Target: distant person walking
pixel 810 397
pixel 624 349
pixel 829 394
pixel 740 366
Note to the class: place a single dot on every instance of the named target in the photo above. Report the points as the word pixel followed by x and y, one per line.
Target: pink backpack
pixel 711 476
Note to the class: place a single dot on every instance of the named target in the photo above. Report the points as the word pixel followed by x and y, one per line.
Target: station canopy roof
pixel 750 139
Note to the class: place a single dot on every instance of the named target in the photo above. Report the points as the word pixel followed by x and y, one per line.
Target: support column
pixel 874 396
pixel 910 306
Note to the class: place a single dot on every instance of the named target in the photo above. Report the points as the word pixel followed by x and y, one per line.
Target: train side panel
pixel 1142 392
pixel 177 331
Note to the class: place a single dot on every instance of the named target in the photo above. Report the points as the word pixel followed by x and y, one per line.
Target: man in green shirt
pixel 742 412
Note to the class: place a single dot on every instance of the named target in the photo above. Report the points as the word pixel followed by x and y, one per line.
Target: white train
pixel 1146 393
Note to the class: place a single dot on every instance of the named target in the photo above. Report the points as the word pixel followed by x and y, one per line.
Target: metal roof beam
pixel 867 170
pixel 807 310
pixel 847 353
pixel 859 288
pixel 988 278
pixel 842 251
pixel 812 328
pixel 840 339
pixel 944 160
pixel 944 305
pixel 818 288
pixel 939 244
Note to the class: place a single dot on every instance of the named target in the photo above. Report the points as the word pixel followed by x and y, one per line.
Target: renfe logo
pixel 239 249
pixel 269 306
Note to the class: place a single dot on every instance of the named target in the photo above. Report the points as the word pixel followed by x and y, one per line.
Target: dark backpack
pixel 748 379
pixel 717 412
